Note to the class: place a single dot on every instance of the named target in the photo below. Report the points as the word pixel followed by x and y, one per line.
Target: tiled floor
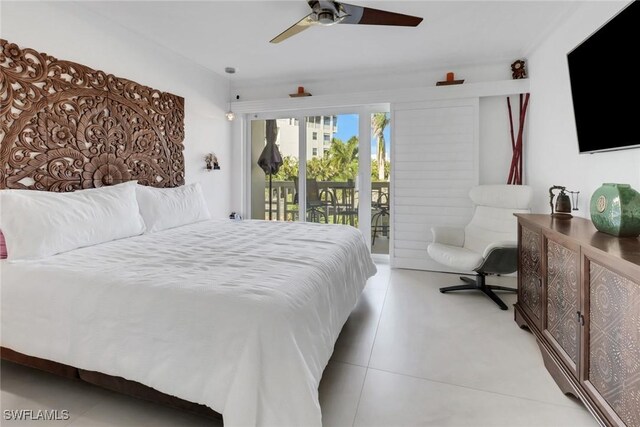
pixel 407 356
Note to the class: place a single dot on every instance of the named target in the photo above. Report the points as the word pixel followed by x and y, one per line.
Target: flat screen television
pixel 605 86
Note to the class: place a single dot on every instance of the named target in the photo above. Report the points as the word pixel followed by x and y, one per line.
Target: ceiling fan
pixel 328 13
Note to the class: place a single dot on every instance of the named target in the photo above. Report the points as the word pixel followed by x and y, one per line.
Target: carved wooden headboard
pixel 65 126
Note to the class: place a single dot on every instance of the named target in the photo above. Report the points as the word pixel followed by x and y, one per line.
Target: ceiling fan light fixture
pixel 326 17
pixel 330 12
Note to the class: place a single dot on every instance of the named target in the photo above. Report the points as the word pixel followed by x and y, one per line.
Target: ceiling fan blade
pixel 368 16
pixel 296 28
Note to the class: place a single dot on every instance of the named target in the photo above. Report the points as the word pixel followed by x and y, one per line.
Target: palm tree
pixel 343 157
pixel 379 122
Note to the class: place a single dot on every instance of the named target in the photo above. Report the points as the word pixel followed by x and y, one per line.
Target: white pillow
pixel 38 224
pixel 164 208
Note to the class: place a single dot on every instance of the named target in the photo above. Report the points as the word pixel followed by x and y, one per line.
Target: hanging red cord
pixel 515 171
pixel 513 141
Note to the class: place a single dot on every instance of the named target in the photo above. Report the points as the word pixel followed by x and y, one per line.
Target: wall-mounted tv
pixel 605 86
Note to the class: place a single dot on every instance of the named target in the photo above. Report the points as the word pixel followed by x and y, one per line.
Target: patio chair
pixel 317 207
pixel 348 211
pixel 381 207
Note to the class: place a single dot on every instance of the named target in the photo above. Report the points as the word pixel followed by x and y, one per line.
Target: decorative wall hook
pixel 211 162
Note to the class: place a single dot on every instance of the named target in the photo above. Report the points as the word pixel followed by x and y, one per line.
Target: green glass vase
pixel 615 209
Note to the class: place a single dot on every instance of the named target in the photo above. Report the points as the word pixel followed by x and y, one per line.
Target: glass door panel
pixel 321 178
pixel 280 203
pixel 332 169
pixel 380 182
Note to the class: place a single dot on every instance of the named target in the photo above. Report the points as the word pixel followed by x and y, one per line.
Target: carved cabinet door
pixel 563 317
pixel 612 350
pixel 529 274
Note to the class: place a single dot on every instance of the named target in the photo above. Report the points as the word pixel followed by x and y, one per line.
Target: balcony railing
pixel 335 202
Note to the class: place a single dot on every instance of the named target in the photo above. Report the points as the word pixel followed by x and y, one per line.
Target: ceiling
pixel 217 34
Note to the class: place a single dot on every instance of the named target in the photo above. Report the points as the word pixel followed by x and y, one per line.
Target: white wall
pixel 551 150
pixel 495 139
pixel 68 31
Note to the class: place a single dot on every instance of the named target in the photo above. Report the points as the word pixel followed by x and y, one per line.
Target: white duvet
pixel 241 316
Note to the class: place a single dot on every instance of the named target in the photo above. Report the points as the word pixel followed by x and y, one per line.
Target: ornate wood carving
pixel 562 297
pixel 530 289
pixel 614 350
pixel 65 126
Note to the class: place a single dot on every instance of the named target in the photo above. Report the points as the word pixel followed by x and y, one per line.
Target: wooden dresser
pixel 579 294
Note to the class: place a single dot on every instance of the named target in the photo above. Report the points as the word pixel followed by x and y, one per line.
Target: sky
pixel 348 127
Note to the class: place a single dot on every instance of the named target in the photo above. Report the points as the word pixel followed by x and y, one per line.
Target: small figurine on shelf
pixel 451 80
pixel 211 162
pixel 518 71
pixel 300 93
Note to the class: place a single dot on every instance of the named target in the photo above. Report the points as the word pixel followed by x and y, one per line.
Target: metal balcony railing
pixel 335 202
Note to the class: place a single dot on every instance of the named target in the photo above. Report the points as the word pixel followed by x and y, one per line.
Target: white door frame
pixel 364 152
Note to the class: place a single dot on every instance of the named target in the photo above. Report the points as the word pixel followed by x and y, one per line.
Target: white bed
pixel 241 316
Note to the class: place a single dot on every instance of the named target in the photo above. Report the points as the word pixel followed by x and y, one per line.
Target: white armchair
pixel 488 244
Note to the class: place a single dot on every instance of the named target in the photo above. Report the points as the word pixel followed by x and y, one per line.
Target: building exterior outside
pixel 320 131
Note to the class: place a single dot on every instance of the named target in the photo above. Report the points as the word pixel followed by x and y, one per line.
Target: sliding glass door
pixel 281 203
pixel 334 169
pixel 332 166
pixel 380 182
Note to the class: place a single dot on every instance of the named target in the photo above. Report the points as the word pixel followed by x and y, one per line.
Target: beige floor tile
pixel 340 392
pixel 124 411
pixel 460 338
pixel 381 280
pixel 358 334
pixel 12 375
pixel 29 389
pixel 395 400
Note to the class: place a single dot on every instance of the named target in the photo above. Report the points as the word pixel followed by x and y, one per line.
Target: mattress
pixel 241 316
